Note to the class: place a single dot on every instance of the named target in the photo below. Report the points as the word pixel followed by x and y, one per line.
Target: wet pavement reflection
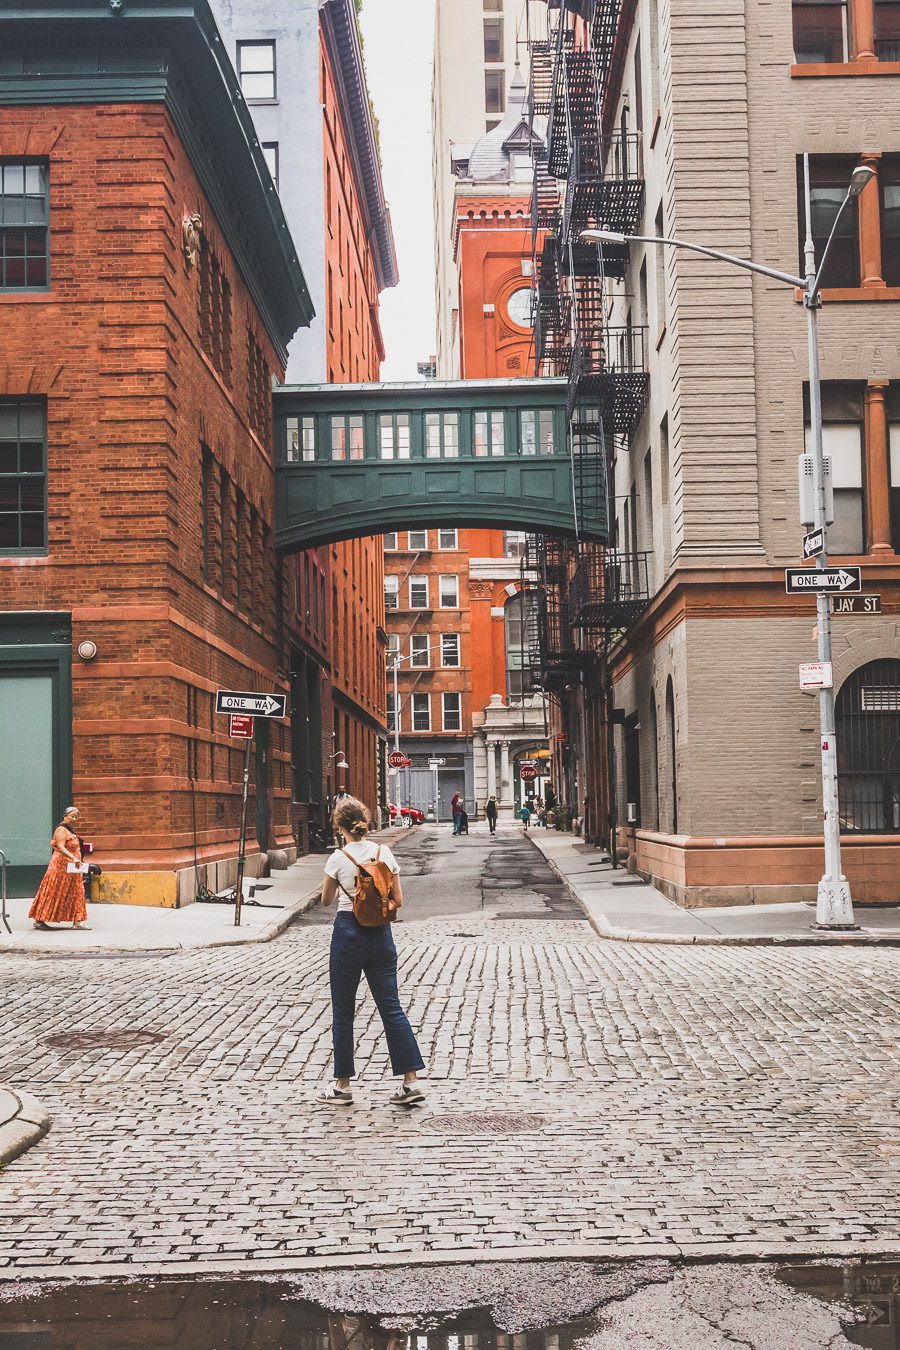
pixel 268 1314
pixel 232 1315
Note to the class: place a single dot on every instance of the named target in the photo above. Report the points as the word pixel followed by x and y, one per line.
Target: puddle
pixel 237 1315
pixel 542 1306
pixel 872 1289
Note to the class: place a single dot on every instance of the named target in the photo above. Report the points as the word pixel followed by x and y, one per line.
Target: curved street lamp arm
pixel 602 237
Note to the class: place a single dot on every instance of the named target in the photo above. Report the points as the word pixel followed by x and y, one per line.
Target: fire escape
pixel 587 174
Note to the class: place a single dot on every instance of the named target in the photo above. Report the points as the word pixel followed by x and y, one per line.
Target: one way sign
pixel 259 705
pixel 831 580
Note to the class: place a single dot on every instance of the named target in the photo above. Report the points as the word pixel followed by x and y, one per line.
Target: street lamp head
pixel 860 178
pixel 602 237
pixel 342 764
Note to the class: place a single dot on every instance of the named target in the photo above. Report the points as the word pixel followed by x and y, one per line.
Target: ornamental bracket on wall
pixel 191 229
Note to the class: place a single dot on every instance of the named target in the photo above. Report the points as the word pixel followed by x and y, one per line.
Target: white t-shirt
pixel 342 869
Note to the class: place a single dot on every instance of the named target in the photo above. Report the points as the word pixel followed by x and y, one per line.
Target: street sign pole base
pixel 834 908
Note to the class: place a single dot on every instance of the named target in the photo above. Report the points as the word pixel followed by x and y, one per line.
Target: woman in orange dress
pixel 60 897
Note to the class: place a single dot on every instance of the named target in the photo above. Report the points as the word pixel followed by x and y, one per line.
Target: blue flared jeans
pixel 358 951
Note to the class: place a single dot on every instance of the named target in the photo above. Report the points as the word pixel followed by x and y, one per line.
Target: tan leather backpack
pixel 374 903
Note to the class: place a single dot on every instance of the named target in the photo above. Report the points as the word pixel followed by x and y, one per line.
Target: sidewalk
pixel 282 896
pixel 626 909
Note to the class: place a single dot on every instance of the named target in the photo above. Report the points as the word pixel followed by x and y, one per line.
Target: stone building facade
pixel 719 750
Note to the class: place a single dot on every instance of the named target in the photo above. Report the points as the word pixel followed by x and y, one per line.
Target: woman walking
pixel 490 814
pixel 356 951
pixel 60 897
pixel 456 810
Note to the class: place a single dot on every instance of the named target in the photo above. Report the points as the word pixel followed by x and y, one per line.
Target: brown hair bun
pixel 351 816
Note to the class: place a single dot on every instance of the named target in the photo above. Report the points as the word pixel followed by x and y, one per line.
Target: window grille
pixel 867 712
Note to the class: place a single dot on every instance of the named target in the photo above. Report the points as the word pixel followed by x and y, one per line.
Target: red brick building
pixel 149 293
pixel 310 104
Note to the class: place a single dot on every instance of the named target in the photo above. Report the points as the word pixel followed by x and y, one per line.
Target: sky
pixel 399 39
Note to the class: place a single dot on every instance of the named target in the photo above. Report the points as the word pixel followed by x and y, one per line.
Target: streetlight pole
pixel 834 907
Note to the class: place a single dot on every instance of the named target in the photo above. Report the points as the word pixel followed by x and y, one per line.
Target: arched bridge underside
pixel 365 459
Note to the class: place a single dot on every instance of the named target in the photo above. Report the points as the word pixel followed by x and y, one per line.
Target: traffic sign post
pixel 396 759
pixel 241 709
pixel 822 580
pixel 528 771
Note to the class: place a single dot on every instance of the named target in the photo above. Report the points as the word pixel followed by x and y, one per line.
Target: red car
pixel 410 814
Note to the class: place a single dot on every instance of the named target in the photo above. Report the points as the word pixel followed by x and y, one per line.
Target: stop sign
pixel 396 759
pixel 528 772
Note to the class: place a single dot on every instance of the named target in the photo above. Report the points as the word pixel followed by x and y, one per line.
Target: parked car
pixel 410 815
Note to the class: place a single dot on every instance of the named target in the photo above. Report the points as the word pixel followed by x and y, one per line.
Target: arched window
pixel 671 753
pixel 653 769
pixel 867 714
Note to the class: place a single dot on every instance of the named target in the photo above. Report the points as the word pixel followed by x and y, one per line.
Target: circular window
pixel 518 307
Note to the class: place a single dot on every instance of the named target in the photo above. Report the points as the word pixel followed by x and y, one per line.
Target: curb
pixel 682 1253
pixel 26 1125
pixel 604 929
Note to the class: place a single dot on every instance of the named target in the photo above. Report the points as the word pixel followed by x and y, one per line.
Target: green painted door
pixel 26 783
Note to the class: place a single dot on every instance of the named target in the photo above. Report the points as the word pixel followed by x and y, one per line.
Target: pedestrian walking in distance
pixel 60 897
pixel 364 878
pixel 525 817
pixel 490 814
pixel 456 810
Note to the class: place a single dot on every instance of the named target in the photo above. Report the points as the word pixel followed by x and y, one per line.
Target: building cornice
pixel 167 52
pixel 341 32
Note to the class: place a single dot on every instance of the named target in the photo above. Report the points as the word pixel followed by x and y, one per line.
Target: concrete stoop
pixel 23 1122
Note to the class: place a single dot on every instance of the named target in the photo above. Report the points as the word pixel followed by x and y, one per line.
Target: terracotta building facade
pixel 457 625
pixel 146 306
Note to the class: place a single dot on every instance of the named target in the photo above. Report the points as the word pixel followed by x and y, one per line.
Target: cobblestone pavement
pixel 673 1100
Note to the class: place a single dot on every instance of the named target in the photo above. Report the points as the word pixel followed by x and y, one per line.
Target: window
pixel 820 31
pixel 449 592
pixel 516 616
pixel 829 176
pixel 421 712
pixel 513 543
pixel 301 439
pixel 418 541
pixel 632 732
pixel 867 715
pixel 494 92
pixel 393 433
pixel 452 712
pixel 895 485
pixel 347 437
pixel 391 592
pixel 24 227
pixel 490 437
pixel 419 651
pixel 887 30
pixel 390 542
pixel 537 432
pixel 672 754
pixel 23 476
pixel 494 6
pixel 448 539
pixel 418 592
pixel 393 645
pixel 270 155
pixel 493 40
pixel 638 88
pixel 442 435
pixel 256 70
pixel 393 721
pixel 449 650
pixel 890 220
pixel 842 435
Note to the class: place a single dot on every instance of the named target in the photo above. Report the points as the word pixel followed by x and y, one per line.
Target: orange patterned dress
pixel 60 897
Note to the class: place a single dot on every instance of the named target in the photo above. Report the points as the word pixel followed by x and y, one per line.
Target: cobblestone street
pixel 666 1100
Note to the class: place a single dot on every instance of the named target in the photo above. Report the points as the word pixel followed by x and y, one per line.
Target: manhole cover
pixel 487 1122
pixel 113 1039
